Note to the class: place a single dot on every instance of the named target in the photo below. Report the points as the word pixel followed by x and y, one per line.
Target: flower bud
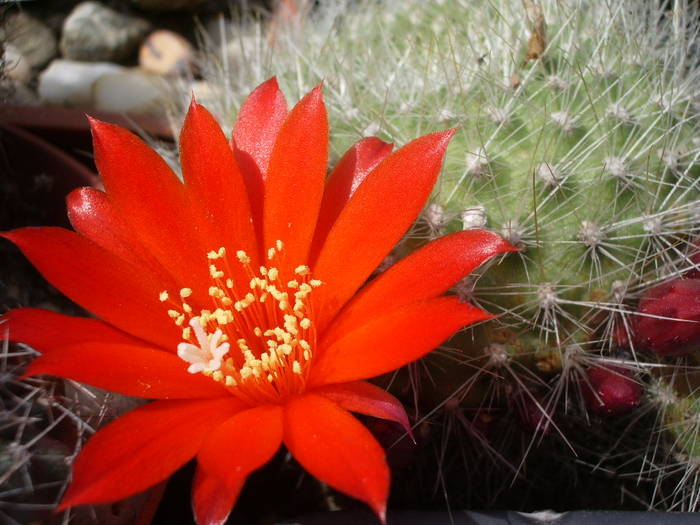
pixel 610 391
pixel 669 323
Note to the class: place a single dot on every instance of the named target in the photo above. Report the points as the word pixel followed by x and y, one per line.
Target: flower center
pixel 258 338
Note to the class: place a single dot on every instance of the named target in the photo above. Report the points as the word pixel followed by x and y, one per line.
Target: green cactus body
pixel 579 142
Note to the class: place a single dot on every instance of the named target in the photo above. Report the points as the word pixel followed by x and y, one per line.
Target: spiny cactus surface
pixel 579 141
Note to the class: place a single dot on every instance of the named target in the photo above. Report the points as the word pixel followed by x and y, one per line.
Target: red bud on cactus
pixel 610 391
pixel 656 330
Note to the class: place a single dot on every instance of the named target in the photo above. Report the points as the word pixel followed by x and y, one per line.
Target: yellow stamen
pixel 242 257
pixel 267 353
pixel 302 270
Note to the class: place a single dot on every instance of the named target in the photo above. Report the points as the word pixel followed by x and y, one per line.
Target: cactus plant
pixel 579 143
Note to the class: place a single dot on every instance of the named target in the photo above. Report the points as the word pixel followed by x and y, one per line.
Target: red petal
pixel 99 282
pixel 392 340
pixel 215 186
pixel 295 179
pixel 426 273
pixel 212 498
pixel 333 446
pixel 377 216
pixel 45 330
pixel 93 215
pixel 366 398
pixel 152 200
pixel 142 448
pixel 235 449
pixel 129 369
pixel 259 121
pixel 345 178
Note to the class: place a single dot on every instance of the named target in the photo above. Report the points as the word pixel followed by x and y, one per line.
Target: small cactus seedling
pixel 579 141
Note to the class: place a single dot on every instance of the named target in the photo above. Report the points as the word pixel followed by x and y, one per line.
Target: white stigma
pixel 208 355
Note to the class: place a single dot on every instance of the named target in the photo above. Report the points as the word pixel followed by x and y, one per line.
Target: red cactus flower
pixel 610 391
pixel 669 320
pixel 233 299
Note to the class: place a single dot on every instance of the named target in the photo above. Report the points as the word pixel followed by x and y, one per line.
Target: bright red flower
pixel 233 299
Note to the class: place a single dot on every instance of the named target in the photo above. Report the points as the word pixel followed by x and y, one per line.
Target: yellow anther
pixel 163 296
pixel 223 317
pixel 274 350
pixel 215 272
pixel 215 291
pixel 217 254
pixel 279 296
pixel 302 270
